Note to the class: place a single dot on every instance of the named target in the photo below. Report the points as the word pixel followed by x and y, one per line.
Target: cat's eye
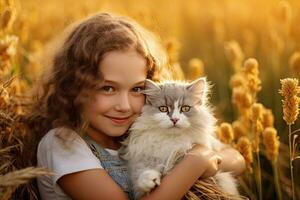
pixel 185 108
pixel 163 108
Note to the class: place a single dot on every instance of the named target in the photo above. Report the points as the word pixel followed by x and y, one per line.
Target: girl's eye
pixel 138 89
pixel 163 108
pixel 185 108
pixel 107 88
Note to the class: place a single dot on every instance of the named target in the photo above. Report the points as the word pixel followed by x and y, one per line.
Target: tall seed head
pixel 225 133
pixel 254 84
pixel 239 129
pixel 251 72
pixel 241 98
pixel 245 148
pixel 257 111
pixel 7 18
pixel 268 118
pixel 290 90
pixel 237 80
pixel 251 66
pixel 271 142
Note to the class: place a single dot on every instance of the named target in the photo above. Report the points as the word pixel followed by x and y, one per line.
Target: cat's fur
pixel 155 140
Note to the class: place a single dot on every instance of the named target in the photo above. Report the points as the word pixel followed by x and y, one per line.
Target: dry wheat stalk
pixel 21 176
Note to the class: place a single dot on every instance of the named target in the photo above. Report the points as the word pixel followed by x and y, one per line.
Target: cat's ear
pixel 198 88
pixel 151 88
pixel 152 91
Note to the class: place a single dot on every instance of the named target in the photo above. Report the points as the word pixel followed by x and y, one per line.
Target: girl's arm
pixel 93 184
pixel 97 184
pixel 182 178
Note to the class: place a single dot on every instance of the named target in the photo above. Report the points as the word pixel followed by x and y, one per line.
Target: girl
pixel 89 101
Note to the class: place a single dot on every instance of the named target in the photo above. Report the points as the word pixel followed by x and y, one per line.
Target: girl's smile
pixel 120 120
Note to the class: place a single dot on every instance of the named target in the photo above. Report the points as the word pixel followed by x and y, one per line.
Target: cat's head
pixel 175 104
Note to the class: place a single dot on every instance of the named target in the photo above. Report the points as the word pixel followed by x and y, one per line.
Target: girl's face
pixel 117 102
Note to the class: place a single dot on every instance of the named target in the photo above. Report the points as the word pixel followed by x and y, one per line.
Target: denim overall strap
pixel 114 165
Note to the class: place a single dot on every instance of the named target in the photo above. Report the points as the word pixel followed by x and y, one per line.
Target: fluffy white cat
pixel 176 116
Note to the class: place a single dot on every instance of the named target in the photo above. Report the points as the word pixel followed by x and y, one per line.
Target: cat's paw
pixel 148 180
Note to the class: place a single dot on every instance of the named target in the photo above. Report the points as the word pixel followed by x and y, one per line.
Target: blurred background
pixel 202 38
pixel 266 30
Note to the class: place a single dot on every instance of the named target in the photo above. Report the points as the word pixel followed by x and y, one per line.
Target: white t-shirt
pixel 63 151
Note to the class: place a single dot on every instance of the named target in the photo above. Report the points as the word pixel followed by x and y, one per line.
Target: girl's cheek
pixel 138 104
pixel 102 102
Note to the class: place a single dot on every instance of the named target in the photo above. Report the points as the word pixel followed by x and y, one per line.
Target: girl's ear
pixel 198 88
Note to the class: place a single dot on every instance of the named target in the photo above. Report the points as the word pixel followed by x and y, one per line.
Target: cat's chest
pixel 162 145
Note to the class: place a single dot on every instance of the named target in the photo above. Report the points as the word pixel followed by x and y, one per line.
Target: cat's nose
pixel 174 120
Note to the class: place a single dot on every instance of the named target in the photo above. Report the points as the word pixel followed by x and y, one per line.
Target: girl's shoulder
pixel 61 149
pixel 63 152
pixel 63 143
pixel 60 140
pixel 61 136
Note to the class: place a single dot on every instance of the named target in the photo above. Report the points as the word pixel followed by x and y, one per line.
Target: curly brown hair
pixel 75 68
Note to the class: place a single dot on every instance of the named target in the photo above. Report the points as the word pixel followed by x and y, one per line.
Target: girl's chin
pixel 118 132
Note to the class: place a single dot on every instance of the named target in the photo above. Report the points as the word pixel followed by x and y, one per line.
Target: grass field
pixel 249 50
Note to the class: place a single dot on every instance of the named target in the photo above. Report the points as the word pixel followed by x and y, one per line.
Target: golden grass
pixel 251 53
pixel 21 176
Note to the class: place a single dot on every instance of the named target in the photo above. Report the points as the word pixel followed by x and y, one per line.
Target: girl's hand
pixel 207 160
pixel 232 161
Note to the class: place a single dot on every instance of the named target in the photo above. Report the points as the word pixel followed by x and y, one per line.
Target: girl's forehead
pixel 126 66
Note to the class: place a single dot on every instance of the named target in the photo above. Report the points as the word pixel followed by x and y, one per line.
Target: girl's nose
pixel 123 103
